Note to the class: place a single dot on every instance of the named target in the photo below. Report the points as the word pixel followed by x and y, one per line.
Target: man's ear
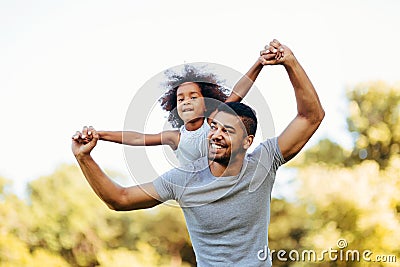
pixel 247 141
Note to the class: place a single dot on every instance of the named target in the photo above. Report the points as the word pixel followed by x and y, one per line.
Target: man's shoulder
pixel 266 152
pixel 269 145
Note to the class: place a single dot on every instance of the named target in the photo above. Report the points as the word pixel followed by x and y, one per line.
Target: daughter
pixel 191 99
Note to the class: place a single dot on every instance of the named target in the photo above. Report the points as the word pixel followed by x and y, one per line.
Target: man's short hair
pixel 244 112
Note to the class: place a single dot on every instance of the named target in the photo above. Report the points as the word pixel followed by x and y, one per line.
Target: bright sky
pixel 65 64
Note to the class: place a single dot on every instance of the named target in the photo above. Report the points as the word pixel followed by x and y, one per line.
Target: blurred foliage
pixel 374 123
pixel 64 224
pixel 341 194
pixel 374 120
pixel 325 152
pixel 347 194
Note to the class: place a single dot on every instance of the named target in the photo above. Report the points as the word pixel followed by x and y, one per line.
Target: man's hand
pixel 275 54
pixel 84 142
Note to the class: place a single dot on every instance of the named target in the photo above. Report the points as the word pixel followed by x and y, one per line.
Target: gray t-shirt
pixel 227 217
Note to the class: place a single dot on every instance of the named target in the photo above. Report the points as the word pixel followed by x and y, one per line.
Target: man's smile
pixel 217 146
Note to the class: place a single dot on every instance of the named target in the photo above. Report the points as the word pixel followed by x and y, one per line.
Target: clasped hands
pixel 274 53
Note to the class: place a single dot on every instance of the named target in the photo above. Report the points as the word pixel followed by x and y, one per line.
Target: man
pixel 226 217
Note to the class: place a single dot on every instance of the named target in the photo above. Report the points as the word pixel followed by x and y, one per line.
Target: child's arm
pixel 243 86
pixel 132 138
pixel 115 196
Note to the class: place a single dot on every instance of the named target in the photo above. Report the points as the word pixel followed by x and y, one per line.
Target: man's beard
pixel 224 160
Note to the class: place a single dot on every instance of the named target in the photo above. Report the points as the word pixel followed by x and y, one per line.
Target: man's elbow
pixel 321 115
pixel 317 117
pixel 124 203
pixel 112 207
pixel 116 203
pixel 118 206
pixel 139 206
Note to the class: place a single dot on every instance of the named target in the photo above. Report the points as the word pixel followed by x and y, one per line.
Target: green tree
pixel 68 219
pixel 357 204
pixel 14 251
pixel 350 195
pixel 325 152
pixel 64 223
pixel 374 123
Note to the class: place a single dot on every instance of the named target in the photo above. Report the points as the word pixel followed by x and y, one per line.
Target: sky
pixel 66 64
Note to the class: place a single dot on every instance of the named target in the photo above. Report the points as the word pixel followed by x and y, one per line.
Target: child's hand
pixel 86 136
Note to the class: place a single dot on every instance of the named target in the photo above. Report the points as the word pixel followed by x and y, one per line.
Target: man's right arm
pixel 115 196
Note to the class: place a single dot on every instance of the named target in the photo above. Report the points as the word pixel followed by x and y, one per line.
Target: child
pixel 189 102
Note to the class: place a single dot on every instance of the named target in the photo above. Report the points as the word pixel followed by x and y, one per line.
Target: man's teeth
pixel 216 146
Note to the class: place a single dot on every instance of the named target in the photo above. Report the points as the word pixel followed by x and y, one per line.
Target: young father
pixel 226 215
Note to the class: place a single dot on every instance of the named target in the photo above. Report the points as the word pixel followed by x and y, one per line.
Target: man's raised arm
pixel 309 110
pixel 115 196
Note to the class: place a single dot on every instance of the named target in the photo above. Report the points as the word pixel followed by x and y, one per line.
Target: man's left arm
pixel 309 110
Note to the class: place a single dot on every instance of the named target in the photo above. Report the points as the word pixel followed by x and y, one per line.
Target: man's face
pixel 227 138
pixel 190 102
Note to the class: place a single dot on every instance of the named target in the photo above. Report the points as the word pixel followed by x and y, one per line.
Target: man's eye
pixel 194 97
pixel 180 100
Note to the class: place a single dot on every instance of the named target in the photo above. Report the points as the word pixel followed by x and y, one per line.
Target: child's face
pixel 190 102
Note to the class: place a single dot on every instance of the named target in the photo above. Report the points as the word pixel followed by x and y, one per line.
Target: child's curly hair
pixel 211 88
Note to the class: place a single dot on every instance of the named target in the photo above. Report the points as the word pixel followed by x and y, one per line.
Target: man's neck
pixel 232 169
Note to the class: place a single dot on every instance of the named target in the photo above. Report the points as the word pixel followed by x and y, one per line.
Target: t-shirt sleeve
pixel 274 146
pixel 266 158
pixel 170 185
pixel 269 154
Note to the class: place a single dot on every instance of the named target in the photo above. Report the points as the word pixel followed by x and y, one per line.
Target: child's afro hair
pixel 211 88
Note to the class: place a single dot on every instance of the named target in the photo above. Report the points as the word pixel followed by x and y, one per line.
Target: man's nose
pixel 216 134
